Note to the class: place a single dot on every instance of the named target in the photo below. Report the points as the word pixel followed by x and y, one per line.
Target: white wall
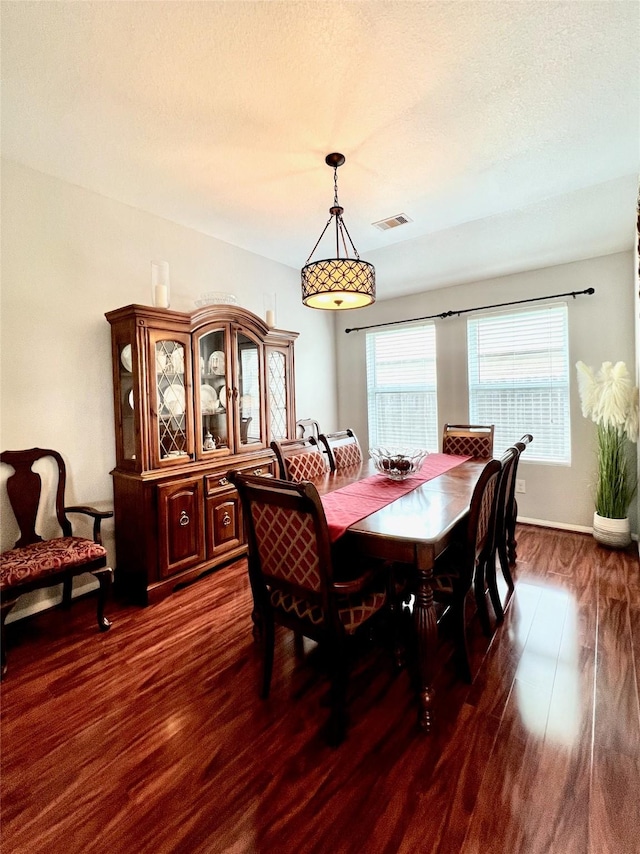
pixel 601 327
pixel 68 256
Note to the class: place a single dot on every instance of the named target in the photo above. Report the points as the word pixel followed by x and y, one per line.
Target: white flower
pixel 587 388
pixel 614 398
pixel 608 397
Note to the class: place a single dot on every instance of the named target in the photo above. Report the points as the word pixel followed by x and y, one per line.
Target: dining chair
pixel 472 440
pixel 299 459
pixel 342 449
pixel 306 427
pixel 498 548
pixel 461 566
pixel 512 512
pixel 298 580
pixel 35 562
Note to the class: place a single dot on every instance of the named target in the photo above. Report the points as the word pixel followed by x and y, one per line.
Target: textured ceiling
pixel 507 131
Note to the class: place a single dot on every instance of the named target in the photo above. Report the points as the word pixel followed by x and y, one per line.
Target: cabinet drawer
pixel 214 483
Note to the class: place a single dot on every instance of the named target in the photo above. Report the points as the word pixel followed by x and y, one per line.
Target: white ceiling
pixel 507 131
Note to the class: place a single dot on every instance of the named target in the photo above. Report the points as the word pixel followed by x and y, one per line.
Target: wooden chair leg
pixel 5 607
pixel 479 589
pixel 511 534
pixel 492 583
pixel 67 590
pixel 105 579
pixel 396 590
pixel 504 565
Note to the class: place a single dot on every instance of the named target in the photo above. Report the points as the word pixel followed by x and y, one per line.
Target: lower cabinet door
pixel 180 525
pixel 224 523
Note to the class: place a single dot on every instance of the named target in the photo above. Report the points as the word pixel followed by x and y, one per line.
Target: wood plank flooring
pixel 152 737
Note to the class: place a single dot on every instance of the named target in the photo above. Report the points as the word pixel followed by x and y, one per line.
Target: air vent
pixel 392 222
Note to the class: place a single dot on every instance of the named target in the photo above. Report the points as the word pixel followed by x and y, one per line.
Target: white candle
pixel 271 318
pixel 160 283
pixel 161 296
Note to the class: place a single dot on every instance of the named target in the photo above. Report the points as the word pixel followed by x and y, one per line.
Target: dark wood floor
pixel 152 738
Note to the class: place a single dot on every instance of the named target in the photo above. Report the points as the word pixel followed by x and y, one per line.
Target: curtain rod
pixel 445 314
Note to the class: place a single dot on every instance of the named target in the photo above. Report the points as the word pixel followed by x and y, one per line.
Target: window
pixel 519 379
pixel 401 387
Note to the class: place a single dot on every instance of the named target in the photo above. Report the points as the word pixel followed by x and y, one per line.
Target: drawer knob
pixel 183 520
pixel 257 472
pixel 226 519
pixel 223 481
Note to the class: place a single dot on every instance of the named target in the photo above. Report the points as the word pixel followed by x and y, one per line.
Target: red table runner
pixel 349 504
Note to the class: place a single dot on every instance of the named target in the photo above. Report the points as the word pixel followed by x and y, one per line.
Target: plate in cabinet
pixel 208 399
pixel 173 398
pixel 125 358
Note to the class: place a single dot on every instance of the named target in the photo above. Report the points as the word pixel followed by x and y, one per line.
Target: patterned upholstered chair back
pixel 472 440
pixel 299 459
pixel 342 449
pixel 286 545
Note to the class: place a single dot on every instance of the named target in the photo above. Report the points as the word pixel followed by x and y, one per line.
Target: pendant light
pixel 342 282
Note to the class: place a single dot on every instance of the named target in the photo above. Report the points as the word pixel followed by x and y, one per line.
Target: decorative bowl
pixel 399 463
pixel 216 298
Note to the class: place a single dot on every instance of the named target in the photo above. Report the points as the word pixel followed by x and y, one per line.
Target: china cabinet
pixel 195 395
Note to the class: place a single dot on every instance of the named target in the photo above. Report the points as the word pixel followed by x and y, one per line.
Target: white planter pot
pixel 615 533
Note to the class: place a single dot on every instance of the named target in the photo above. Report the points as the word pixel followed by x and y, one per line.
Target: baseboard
pixel 48 598
pixel 562 526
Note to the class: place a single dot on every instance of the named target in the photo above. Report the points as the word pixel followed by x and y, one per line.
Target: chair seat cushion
pixel 353 610
pixel 28 563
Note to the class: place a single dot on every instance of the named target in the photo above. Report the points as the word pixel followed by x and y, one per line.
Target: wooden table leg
pixel 424 613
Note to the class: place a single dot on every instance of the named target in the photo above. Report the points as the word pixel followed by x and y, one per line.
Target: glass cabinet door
pixel 249 392
pixel 214 393
pixel 127 415
pixel 172 429
pixel 277 394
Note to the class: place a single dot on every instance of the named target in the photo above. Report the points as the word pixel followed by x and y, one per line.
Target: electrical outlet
pixel 521 485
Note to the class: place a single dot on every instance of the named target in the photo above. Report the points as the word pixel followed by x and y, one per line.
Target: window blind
pixel 518 365
pixel 401 387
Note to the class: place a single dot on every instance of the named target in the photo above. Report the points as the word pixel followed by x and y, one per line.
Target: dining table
pixel 413 528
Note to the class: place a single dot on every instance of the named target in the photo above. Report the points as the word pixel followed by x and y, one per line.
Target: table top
pixel 425 515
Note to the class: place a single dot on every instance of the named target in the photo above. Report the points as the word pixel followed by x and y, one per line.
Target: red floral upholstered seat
pixel 297 578
pixel 34 562
pixel 38 560
pixel 342 449
pixel 472 440
pixel 299 459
